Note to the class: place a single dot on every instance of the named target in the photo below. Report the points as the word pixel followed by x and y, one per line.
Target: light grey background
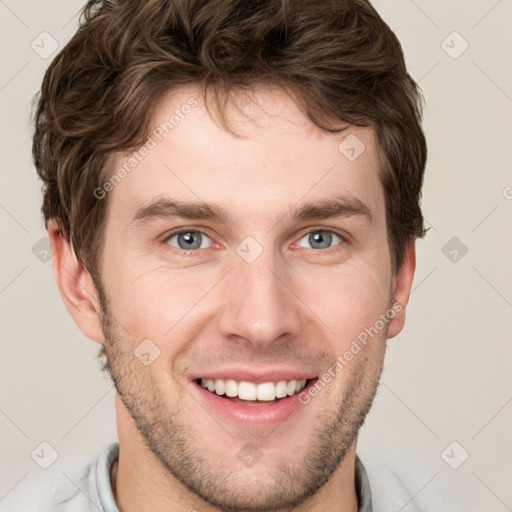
pixel 446 377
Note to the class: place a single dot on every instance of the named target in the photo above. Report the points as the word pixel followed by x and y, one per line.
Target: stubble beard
pixel 283 486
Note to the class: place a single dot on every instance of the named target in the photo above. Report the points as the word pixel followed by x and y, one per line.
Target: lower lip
pixel 251 415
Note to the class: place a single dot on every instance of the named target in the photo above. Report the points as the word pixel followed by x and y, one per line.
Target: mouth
pixel 253 404
pixel 252 394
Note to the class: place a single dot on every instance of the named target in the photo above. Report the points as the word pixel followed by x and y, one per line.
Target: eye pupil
pixel 188 238
pixel 323 238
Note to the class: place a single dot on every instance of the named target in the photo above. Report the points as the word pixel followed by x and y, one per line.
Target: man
pixel 231 191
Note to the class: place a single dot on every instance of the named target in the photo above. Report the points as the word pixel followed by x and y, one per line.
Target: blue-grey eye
pixel 320 239
pixel 189 240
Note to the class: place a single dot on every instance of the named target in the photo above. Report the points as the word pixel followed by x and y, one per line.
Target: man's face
pixel 261 296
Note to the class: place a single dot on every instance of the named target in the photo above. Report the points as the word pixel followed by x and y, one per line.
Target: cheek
pixel 159 303
pixel 348 300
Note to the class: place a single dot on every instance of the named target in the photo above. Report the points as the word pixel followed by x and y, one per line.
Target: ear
pixel 75 285
pixel 402 283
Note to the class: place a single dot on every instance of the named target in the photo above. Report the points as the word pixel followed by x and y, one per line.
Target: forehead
pixel 277 158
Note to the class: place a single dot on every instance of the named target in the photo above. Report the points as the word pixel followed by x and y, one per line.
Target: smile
pixel 249 391
pixel 247 404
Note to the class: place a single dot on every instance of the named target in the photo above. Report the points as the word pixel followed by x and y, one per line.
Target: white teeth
pixel 266 391
pixel 281 389
pixel 231 388
pixel 220 387
pixel 247 391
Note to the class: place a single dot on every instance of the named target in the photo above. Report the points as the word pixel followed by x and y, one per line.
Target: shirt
pixel 87 489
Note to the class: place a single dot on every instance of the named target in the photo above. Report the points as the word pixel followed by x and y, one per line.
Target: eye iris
pixel 188 237
pixel 323 238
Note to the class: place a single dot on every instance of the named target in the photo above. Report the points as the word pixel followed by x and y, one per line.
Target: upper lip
pixel 256 376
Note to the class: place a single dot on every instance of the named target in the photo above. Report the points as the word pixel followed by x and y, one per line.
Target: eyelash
pixel 195 252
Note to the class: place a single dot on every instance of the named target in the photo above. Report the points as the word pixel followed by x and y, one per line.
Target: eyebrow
pixel 339 206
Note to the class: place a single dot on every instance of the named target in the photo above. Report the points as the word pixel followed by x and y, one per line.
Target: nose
pixel 260 305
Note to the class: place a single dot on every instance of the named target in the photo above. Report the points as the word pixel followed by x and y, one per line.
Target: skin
pixel 296 306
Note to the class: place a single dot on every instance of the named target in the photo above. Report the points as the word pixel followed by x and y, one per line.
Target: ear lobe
pixel 75 285
pixel 402 290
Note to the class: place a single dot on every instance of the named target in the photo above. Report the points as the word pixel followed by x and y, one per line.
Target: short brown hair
pixel 337 58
